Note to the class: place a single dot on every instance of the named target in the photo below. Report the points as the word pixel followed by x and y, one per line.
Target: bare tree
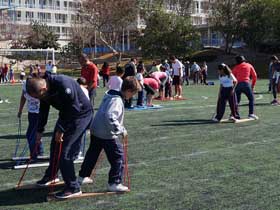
pixel 107 19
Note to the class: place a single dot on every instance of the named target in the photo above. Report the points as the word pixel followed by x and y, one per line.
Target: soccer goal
pixel 33 55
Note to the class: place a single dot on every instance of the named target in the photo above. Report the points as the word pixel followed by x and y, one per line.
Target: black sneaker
pixel 46 181
pixel 68 193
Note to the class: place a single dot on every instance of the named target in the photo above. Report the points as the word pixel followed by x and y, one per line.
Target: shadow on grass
pixel 261 93
pixel 185 122
pixel 7 165
pixel 13 197
pixel 258 104
pixel 15 136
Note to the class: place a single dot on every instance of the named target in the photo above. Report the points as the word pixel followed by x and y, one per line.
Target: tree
pixel 227 19
pixel 107 19
pixel 41 36
pixel 162 28
pixel 181 7
pixel 256 27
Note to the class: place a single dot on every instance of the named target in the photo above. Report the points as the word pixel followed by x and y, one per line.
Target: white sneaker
pixel 84 180
pixel 46 182
pixel 117 188
pixel 253 116
pixel 1 101
pixel 214 119
pixel 231 118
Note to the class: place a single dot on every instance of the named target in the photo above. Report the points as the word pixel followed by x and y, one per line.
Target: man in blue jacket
pixel 75 116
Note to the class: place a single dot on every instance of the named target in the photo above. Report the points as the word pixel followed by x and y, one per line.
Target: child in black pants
pixel 226 93
pixel 107 131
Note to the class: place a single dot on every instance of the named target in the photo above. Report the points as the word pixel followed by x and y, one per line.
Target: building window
pixel 60 18
pixel 29 16
pixel 18 15
pixel 30 3
pixel 57 5
pixel 65 4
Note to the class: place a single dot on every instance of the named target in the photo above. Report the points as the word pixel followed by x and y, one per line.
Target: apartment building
pixel 58 14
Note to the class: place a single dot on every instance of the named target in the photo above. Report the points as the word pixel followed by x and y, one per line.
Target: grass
pixel 178 160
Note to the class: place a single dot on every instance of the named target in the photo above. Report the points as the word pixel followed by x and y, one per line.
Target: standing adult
pixel 105 70
pixel 275 72
pixel 49 67
pixel 187 72
pixel 195 69
pixel 243 72
pixel 5 73
pixel 177 67
pixel 21 68
pixel 270 73
pixel 75 117
pixel 204 73
pixel 90 73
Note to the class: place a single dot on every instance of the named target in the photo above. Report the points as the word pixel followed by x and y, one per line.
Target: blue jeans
pixel 31 136
pixel 244 87
pixel 92 95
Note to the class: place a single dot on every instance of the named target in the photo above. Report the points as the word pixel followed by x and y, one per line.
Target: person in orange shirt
pixel 90 73
pixel 244 72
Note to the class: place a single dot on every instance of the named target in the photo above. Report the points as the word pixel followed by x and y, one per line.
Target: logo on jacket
pixel 68 91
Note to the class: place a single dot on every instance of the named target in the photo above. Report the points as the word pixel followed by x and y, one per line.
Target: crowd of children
pixel 107 129
pixel 7 71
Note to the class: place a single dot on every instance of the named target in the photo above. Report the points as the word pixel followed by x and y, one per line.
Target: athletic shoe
pixel 68 193
pixel 1 101
pixel 117 188
pixel 149 105
pixel 84 180
pixel 253 116
pixel 232 118
pixel 274 102
pixel 180 97
pixel 171 98
pixel 215 120
pixel 46 181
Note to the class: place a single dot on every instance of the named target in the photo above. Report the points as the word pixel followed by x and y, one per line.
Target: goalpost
pixel 25 54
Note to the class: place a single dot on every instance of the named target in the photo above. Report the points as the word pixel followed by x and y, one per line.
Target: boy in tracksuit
pixel 75 117
pixel 106 133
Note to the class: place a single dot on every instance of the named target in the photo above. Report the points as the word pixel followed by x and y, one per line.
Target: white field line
pixel 180 157
pixel 204 97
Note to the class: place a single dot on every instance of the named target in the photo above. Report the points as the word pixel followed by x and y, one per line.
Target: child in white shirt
pixel 115 82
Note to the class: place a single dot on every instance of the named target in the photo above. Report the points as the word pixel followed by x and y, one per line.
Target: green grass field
pixel 177 159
